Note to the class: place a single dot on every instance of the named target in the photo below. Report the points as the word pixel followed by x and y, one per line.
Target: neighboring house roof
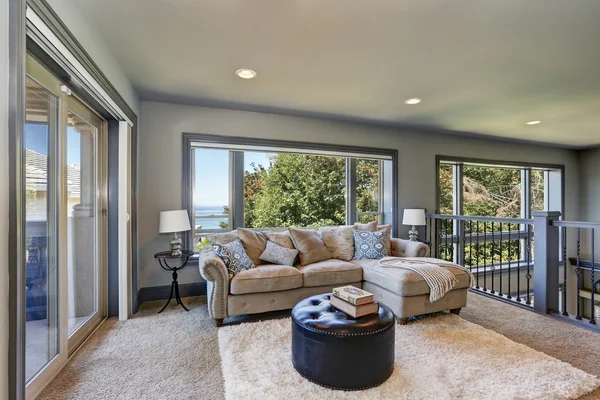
pixel 36 173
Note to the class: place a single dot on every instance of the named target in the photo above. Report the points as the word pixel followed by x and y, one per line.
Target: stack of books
pixel 354 301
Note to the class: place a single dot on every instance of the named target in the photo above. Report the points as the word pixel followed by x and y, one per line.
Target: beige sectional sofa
pixel 270 287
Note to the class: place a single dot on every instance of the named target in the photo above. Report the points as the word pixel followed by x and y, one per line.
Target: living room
pixel 480 117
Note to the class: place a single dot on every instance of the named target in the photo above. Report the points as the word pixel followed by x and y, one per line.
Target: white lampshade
pixel 174 221
pixel 414 216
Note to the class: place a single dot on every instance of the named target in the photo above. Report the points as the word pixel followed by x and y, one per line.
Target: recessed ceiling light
pixel 246 73
pixel 413 101
pixel 533 122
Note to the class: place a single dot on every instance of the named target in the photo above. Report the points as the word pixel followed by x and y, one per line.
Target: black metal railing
pixel 525 261
pixel 584 266
pixel 498 251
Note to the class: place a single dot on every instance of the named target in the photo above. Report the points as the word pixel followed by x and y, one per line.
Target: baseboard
pixel 153 293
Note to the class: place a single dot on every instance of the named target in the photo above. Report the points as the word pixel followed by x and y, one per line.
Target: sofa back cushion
pixel 309 244
pixel 281 238
pixel 222 238
pixel 371 245
pixel 254 243
pixel 339 240
pixel 371 226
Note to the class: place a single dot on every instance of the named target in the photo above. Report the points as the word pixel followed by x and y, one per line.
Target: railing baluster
pixel 565 267
pixel 509 258
pixel 593 320
pixel 437 239
pixel 501 266
pixel 518 263
pixel 528 259
pixel 578 271
pixel 484 256
pixel 471 245
pixel 477 253
pixel 493 250
pixel 464 241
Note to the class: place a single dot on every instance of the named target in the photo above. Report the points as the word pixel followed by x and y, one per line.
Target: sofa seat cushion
pixel 266 278
pixel 330 272
pixel 402 281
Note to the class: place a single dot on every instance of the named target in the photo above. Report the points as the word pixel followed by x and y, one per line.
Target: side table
pixel 162 260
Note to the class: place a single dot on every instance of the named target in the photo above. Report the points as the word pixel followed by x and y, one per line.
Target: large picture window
pixel 275 185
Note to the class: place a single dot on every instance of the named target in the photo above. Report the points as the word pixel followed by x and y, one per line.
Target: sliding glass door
pixel 65 191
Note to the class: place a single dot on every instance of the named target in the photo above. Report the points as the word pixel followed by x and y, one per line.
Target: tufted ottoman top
pixel 316 314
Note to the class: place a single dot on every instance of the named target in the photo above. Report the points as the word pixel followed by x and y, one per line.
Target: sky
pixel 36 139
pixel 212 174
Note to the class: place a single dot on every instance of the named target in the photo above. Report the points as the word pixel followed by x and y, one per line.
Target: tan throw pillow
pixel 309 244
pixel 254 243
pixel 388 228
pixel 371 226
pixel 222 238
pixel 281 238
pixel 339 240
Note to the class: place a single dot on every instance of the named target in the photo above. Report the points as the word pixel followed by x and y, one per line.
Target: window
pixel 270 186
pixel 496 190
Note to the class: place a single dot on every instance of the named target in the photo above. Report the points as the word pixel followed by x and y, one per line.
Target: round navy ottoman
pixel 332 349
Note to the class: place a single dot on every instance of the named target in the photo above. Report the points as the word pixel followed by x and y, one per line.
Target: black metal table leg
pixel 179 297
pixel 170 297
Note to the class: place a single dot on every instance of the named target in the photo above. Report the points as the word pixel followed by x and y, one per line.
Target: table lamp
pixel 173 222
pixel 414 217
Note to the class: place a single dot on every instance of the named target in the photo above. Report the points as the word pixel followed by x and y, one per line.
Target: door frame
pixel 75 64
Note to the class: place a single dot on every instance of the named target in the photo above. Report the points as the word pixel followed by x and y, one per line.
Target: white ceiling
pixel 481 66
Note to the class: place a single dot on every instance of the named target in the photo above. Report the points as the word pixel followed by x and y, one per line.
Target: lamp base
pixel 175 246
pixel 413 234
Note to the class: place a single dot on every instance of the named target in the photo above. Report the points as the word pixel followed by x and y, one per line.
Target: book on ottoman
pixel 351 309
pixel 353 295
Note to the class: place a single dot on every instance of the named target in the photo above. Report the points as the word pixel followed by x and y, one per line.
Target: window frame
pixel 190 139
pixel 525 180
pixel 459 162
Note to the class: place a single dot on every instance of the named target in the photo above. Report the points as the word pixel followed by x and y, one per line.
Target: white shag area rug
pixel 443 357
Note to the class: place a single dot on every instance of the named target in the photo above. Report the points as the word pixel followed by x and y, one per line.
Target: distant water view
pixel 209 223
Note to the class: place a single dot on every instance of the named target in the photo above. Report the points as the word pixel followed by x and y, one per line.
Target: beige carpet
pixel 443 357
pixel 175 355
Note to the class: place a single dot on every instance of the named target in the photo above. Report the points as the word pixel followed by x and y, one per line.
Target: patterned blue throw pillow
pixel 234 256
pixel 370 245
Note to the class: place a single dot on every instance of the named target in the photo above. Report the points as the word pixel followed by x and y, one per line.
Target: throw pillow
pixel 281 238
pixel 339 240
pixel 370 245
pixel 234 256
pixel 254 243
pixel 388 227
pixel 371 226
pixel 310 246
pixel 276 254
pixel 222 238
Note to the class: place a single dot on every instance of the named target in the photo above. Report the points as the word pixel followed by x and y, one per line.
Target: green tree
pixel 298 190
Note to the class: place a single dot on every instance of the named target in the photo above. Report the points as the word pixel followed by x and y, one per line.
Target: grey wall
pixel 3 199
pixel 160 165
pixel 589 172
pixel 89 37
pixel 589 197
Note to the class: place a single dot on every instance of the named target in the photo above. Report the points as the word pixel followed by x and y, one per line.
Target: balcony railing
pixel 525 261
pixel 498 251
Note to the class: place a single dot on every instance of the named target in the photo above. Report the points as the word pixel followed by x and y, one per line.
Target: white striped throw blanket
pixel 439 279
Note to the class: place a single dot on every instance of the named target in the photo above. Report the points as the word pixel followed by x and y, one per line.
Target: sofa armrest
pixel 406 248
pixel 212 268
